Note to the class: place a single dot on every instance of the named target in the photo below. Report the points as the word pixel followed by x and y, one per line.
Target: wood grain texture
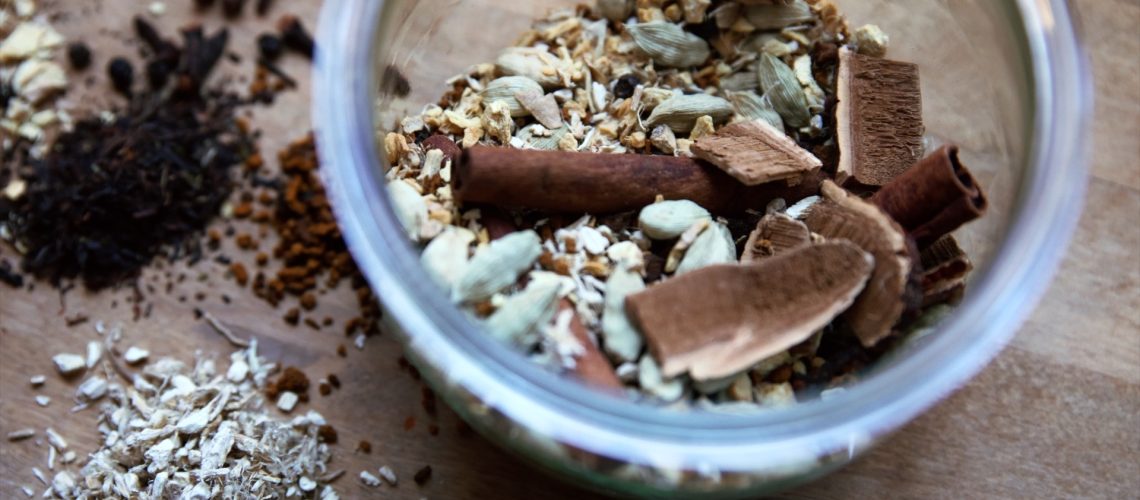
pixel 1056 415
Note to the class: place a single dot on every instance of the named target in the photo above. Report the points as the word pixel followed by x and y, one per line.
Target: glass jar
pixel 1004 79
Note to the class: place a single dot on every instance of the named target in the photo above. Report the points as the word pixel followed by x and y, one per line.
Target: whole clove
pixel 9 276
pixel 625 85
pixel 423 475
pixel 158 73
pixel 79 56
pixel 149 35
pixel 201 56
pixel 295 36
pixel 232 8
pixel 164 55
pixel 393 82
pixel 6 94
pixel 122 75
pixel 263 7
pixel 270 46
pixel 278 72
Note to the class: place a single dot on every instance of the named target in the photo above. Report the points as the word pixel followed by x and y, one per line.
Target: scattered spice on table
pixel 423 475
pixel 79 55
pixel 190 430
pixel 291 380
pixel 114 194
pixel 9 276
pixel 295 36
pixel 310 251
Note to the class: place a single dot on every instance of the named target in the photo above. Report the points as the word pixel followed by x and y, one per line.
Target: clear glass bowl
pixel 1004 79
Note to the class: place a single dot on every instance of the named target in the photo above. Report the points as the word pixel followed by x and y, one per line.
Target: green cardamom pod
pixel 781 86
pixel 669 45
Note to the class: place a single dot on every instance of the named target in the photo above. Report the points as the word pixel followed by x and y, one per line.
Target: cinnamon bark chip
pixel 719 320
pixel 878 118
pixel 755 152
pixel 775 234
pixel 447 146
pixel 934 197
pixel 842 215
pixel 603 183
pixel 944 269
pixel 591 366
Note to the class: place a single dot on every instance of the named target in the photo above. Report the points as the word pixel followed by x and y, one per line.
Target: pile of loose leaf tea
pixel 115 193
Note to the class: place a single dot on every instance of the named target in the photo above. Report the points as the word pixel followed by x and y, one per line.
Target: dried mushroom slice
pixel 775 234
pixel 755 152
pixel 878 118
pixel 720 320
pixel 842 215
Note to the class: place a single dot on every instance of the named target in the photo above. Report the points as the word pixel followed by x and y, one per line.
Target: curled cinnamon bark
pixel 934 197
pixel 598 183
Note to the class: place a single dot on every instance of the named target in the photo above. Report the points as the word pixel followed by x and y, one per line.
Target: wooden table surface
pixel 1056 415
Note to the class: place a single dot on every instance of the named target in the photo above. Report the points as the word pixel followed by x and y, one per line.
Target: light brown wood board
pixel 1056 415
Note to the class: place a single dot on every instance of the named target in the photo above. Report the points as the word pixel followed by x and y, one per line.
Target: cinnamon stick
pixel 934 197
pixel 599 183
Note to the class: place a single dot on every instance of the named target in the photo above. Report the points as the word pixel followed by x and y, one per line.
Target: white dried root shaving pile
pixel 197 433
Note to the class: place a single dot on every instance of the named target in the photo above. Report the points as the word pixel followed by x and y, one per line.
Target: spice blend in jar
pixel 688 203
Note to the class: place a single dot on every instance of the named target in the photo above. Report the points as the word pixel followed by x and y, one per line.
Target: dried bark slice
pixel 755 152
pixel 945 266
pixel 842 215
pixel 878 118
pixel 719 320
pixel 775 234
pixel 591 366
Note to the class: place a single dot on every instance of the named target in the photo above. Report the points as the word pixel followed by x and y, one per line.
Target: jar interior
pixel 975 74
